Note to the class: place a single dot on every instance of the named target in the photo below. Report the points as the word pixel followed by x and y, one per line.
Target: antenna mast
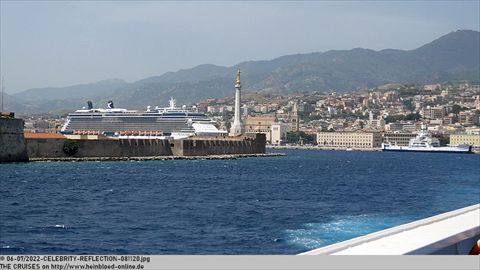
pixel 2 94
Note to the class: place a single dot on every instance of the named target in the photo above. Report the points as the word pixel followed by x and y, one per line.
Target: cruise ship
pixel 424 142
pixel 158 122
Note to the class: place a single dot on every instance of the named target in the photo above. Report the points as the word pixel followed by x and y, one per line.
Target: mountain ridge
pixel 451 57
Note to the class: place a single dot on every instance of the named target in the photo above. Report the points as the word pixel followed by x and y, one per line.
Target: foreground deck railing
pixel 454 232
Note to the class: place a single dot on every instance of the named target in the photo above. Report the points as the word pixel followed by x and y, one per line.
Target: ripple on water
pixel 6 249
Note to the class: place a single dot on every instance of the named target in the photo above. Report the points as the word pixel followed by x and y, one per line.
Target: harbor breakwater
pixel 58 148
pixel 198 146
pixel 54 148
pixel 12 141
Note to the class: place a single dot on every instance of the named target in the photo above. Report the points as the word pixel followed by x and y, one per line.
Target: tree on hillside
pixel 409 104
pixel 457 108
pixel 299 137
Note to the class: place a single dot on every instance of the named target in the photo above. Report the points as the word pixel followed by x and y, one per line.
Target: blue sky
pixel 60 43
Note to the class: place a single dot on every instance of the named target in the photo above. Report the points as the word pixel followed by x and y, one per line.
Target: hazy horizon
pixel 55 44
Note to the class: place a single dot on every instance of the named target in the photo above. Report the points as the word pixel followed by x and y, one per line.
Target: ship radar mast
pixel 172 103
pixel 2 93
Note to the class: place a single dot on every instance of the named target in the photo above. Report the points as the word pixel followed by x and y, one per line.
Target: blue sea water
pixel 277 205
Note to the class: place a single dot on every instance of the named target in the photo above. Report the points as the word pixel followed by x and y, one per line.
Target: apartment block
pixel 349 139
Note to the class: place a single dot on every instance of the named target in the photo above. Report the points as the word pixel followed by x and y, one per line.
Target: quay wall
pixel 201 146
pixel 12 141
pixel 322 148
pixel 53 148
pixel 246 144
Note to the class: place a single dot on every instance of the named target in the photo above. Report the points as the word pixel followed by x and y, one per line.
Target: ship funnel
pixel 110 104
pixel 89 105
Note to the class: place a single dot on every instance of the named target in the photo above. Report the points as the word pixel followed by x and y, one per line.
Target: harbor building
pixel 349 139
pixel 278 133
pixel 470 139
pixel 398 138
pixel 237 126
pixel 260 124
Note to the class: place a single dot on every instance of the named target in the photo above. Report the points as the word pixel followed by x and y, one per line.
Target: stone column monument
pixel 237 126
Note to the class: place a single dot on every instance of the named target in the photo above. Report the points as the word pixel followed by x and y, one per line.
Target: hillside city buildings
pixel 393 113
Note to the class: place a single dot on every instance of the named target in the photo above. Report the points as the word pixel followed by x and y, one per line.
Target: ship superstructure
pixel 424 142
pixel 116 122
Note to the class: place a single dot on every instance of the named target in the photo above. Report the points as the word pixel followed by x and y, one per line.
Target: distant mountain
pixel 452 57
pixel 101 88
pixel 11 103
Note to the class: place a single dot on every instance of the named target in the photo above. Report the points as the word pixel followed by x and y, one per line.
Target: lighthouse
pixel 237 126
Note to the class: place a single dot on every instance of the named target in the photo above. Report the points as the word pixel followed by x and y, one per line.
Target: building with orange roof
pixel 43 135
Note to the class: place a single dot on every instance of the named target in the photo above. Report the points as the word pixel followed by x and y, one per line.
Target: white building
pixel 349 139
pixel 278 133
pixel 246 111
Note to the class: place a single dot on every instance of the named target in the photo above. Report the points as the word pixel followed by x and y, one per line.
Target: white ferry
pixel 155 122
pixel 424 142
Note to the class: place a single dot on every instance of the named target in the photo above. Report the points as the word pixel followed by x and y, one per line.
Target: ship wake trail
pixel 315 235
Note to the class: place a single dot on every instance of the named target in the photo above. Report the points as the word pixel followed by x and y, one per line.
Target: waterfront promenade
pixel 313 147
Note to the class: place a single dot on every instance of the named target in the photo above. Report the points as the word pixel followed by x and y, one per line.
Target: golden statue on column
pixel 237 125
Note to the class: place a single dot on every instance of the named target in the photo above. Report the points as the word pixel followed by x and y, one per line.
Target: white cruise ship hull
pixel 441 149
pixel 113 122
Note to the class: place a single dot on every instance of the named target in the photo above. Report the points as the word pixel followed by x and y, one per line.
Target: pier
pixel 48 147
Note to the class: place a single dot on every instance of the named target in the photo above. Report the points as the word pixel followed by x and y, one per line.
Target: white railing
pixel 453 232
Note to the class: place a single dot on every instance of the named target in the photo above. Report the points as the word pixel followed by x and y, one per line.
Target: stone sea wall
pixel 200 146
pixel 247 144
pixel 53 148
